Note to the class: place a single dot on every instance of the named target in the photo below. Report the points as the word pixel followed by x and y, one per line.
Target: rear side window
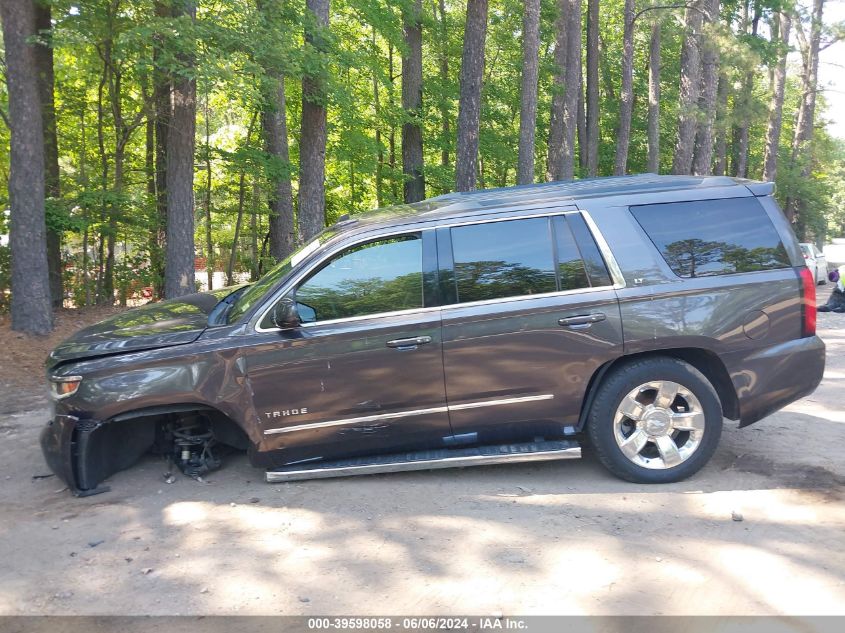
pixel 713 237
pixel 515 258
pixel 503 259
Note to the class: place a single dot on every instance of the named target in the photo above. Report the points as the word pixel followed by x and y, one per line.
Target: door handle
pixel 582 321
pixel 409 343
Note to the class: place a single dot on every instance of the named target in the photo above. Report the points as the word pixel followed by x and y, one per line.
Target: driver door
pixel 363 374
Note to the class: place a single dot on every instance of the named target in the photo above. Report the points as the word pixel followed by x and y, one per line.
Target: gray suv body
pixel 634 313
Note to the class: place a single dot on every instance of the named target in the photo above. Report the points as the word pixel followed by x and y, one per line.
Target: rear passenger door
pixel 532 315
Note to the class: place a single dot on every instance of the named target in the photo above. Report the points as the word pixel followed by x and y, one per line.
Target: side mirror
pixel 286 315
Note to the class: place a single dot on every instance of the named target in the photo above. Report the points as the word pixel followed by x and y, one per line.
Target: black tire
pixel 627 377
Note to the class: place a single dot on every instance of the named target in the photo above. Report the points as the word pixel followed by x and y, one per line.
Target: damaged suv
pixel 633 313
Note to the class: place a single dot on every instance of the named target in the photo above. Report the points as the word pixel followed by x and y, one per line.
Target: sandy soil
pixel 552 538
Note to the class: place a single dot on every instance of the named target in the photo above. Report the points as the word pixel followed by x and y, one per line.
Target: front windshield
pixel 257 291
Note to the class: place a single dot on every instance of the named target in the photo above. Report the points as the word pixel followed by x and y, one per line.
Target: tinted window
pixel 570 267
pixel 594 262
pixel 503 259
pixel 713 237
pixel 371 278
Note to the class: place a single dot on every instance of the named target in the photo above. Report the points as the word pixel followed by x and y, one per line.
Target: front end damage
pixel 84 453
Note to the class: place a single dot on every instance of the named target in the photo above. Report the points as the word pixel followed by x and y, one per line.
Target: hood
pixel 162 324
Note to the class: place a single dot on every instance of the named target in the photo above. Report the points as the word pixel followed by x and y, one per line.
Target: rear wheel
pixel 655 420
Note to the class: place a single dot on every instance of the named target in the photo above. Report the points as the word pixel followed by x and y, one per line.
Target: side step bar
pixel 428 460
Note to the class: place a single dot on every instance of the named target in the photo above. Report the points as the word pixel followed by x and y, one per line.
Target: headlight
pixel 64 386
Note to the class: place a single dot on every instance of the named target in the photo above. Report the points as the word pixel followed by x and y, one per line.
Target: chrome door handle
pixel 408 343
pixel 582 321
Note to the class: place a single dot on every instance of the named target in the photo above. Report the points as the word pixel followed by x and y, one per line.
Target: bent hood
pixel 169 322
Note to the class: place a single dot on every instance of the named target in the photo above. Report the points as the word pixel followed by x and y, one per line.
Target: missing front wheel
pixel 192 446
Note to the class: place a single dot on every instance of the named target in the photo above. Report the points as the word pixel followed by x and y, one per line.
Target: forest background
pixel 143 140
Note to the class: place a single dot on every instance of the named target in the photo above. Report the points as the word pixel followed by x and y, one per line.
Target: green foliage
pixel 105 66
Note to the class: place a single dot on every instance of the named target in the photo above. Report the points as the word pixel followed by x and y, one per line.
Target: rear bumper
pixel 771 378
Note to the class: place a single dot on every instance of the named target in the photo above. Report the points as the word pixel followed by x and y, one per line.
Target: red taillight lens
pixel 808 301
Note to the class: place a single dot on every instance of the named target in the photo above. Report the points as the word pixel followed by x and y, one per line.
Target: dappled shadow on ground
pixel 560 537
pixel 556 537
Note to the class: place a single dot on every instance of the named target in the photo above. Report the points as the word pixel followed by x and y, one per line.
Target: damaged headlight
pixel 64 386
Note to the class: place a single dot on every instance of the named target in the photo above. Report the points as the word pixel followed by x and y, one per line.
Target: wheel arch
pixel 705 361
pixel 98 449
pixel 224 425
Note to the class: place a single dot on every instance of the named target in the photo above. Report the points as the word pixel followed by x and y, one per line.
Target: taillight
pixel 808 302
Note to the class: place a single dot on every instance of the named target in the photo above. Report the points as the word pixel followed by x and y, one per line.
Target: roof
pixel 485 200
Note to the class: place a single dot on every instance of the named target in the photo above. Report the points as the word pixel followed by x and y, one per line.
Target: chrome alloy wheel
pixel 659 424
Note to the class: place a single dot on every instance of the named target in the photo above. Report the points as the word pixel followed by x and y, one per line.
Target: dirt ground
pixel 551 538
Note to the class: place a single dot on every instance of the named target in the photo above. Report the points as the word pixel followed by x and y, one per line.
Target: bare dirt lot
pixel 552 538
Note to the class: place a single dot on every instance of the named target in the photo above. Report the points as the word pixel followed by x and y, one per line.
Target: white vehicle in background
pixel 816 262
pixel 835 253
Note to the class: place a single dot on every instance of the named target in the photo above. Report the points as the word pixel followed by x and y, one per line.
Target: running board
pixel 428 460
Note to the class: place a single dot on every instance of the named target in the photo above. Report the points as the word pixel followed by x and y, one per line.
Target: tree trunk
pixel 209 246
pixel 44 61
pixel 528 107
pixel 83 179
pixel 626 94
pixel 743 111
pixel 582 123
pixel 275 127
pixel 573 88
pixel 179 276
pixel 378 120
pixel 412 88
pixel 150 160
pixel 163 111
pixel 391 139
pixel 444 81
pixel 253 231
pixel 150 175
pixel 770 162
pixel 31 309
pixel 592 100
pixel 312 146
pixel 720 166
pixel 809 81
pixel 688 93
pixel 654 62
pixel 104 181
pixel 554 157
pixel 241 201
pixel 703 157
pixel 803 140
pixel 469 107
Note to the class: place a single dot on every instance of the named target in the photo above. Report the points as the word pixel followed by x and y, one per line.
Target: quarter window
pixel 380 276
pixel 594 262
pixel 713 237
pixel 570 266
